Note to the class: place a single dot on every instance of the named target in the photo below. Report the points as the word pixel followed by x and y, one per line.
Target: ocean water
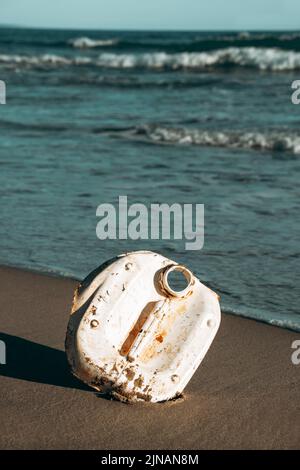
pixel 160 117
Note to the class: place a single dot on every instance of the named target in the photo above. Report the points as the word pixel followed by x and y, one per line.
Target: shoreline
pixel 244 394
pixel 56 273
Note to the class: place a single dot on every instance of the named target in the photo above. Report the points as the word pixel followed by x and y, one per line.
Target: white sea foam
pixel 86 43
pixel 50 59
pixel 272 140
pixel 282 320
pixel 260 58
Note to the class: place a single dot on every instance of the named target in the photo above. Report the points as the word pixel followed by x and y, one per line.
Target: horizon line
pixel 67 28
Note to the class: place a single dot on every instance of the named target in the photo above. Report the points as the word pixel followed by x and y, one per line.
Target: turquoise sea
pixel 160 117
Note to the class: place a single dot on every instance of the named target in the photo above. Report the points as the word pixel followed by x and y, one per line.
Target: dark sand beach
pixel 244 395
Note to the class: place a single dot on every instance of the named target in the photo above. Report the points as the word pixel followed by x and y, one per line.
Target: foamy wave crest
pixel 86 43
pixel 272 141
pixel 46 59
pixel 283 320
pixel 259 58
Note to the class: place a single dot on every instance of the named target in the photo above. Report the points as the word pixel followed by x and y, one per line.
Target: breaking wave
pixel 263 59
pixel 46 59
pixel 86 43
pixel 259 58
pixel 272 140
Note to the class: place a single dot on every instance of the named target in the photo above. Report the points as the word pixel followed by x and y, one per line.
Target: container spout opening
pixel 177 280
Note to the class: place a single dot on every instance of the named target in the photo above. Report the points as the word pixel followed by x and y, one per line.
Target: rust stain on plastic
pixel 129 374
pixel 127 345
pixel 159 338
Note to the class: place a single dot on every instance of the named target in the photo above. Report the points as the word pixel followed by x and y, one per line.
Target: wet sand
pixel 245 394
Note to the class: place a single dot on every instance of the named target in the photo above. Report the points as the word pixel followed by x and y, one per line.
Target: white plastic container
pixel 132 335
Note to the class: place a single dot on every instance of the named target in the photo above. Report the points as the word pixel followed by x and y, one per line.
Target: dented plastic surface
pixel 132 335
